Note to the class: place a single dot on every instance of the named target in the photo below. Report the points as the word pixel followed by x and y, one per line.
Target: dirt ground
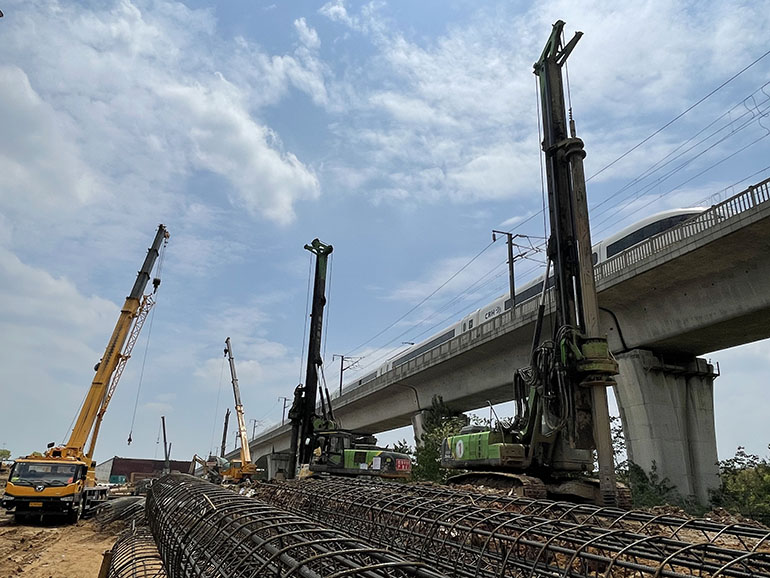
pixel 51 550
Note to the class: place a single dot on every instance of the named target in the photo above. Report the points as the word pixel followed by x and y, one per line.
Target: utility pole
pixel 511 283
pixel 524 250
pixel 286 400
pixel 223 449
pixel 254 427
pixel 343 359
pixel 166 448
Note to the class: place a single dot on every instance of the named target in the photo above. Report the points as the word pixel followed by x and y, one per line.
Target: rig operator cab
pixel 62 481
pixel 344 452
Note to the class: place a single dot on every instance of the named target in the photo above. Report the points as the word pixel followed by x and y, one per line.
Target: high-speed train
pixel 609 247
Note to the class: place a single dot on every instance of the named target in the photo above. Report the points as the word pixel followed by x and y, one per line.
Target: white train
pixel 609 247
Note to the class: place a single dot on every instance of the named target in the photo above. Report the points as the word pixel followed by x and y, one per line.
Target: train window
pixel 529 292
pixel 645 233
pixel 470 324
pixel 464 327
pixel 594 258
pixel 415 351
pixel 508 303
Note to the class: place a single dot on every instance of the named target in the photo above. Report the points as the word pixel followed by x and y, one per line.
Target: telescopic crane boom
pixel 247 468
pixel 99 395
pixel 63 480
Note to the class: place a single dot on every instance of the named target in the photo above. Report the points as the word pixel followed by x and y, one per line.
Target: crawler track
pixel 463 539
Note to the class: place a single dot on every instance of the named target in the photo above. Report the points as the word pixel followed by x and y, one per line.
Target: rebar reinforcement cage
pixel 205 530
pixel 739 536
pixel 129 510
pixel 135 555
pixel 463 539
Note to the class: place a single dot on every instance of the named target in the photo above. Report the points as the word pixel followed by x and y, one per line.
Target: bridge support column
pixel 667 410
pixel 418 425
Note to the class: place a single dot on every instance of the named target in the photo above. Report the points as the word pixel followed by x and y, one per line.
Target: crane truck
pixel 561 401
pixel 318 444
pixel 245 469
pixel 62 480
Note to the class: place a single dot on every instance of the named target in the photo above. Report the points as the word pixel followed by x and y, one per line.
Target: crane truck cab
pixel 41 486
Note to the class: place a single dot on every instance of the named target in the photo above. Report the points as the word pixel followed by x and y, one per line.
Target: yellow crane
pixel 246 469
pixel 62 481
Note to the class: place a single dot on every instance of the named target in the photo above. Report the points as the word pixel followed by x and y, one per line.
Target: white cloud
pixel 39 160
pixel 142 92
pixel 307 35
pixel 464 101
pixel 225 140
pixel 52 336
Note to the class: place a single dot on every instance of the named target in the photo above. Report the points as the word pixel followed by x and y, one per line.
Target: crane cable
pixel 307 307
pixel 212 447
pixel 156 284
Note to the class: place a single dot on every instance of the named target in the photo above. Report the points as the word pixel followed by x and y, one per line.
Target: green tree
pixel 440 422
pixel 5 454
pixel 745 486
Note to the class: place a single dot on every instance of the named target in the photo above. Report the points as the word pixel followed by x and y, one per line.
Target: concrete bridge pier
pixel 667 410
pixel 418 426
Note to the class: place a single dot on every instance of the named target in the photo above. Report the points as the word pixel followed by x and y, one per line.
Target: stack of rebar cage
pixel 457 535
pixel 205 530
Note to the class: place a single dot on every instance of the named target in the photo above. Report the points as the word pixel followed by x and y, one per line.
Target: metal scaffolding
pixel 463 539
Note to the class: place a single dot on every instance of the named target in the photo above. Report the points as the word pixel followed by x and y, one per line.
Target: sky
pixel 402 133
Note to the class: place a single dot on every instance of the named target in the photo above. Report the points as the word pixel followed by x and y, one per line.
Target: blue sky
pixel 400 132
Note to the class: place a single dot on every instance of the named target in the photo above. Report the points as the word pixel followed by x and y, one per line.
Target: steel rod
pixel 463 539
pixel 205 530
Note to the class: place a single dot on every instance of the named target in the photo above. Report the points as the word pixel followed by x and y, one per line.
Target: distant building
pixel 119 470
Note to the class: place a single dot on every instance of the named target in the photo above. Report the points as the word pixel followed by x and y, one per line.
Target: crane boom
pixel 112 354
pixel 245 451
pixel 63 481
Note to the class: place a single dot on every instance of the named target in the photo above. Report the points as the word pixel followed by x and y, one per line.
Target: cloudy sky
pixel 400 132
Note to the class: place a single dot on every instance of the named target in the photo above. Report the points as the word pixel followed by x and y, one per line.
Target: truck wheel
pixel 77 513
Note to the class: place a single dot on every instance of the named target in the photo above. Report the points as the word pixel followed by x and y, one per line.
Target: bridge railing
pixel 744 201
pixel 740 203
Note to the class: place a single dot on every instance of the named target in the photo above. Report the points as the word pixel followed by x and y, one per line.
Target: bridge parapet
pixel 744 201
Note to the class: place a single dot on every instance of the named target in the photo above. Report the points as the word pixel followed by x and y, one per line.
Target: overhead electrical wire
pixel 734 131
pixel 676 118
pixel 660 163
pixel 651 170
pixel 444 284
